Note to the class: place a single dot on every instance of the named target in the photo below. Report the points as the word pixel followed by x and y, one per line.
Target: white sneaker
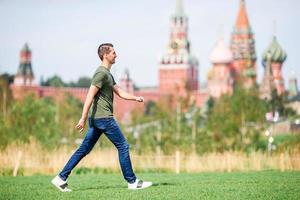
pixel 139 184
pixel 60 184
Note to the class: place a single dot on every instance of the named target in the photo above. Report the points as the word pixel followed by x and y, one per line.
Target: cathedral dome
pixel 221 53
pixel 277 53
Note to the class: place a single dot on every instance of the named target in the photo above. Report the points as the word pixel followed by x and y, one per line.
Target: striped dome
pixel 276 52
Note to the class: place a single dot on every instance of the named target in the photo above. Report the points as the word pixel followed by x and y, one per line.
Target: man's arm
pixel 124 95
pixel 86 107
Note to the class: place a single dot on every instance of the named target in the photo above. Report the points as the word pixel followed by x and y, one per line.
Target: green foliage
pixel 68 113
pixel 277 103
pixel 287 142
pixel 45 120
pixel 7 77
pixel 56 81
pixel 84 82
pixel 235 122
pixel 231 123
pixel 29 118
pixel 5 102
pixel 169 128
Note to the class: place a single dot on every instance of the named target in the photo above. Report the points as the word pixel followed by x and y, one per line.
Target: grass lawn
pixel 237 185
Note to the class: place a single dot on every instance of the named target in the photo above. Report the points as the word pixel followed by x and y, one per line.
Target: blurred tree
pixel 37 118
pixel 8 77
pixel 149 108
pixel 30 118
pixel 68 112
pixel 54 81
pixel 278 103
pixel 84 82
pixel 5 94
pixel 235 121
pixel 5 100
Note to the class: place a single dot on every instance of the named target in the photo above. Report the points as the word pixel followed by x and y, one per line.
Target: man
pixel 101 120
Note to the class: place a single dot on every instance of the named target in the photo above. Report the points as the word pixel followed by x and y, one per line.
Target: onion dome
pixel 277 53
pixel 221 53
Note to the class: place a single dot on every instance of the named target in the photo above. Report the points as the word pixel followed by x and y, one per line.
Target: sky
pixel 64 35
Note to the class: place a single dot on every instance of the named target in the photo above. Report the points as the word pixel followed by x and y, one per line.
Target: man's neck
pixel 106 65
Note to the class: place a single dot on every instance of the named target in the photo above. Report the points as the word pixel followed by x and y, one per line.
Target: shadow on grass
pixel 164 184
pixel 100 187
pixel 103 187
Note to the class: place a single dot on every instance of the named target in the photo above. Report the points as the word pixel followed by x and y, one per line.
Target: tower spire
pixel 220 32
pixel 242 20
pixel 274 28
pixel 178 67
pixel 24 74
pixel 243 49
pixel 179 8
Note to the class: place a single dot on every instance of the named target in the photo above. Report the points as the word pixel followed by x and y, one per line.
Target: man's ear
pixel 104 56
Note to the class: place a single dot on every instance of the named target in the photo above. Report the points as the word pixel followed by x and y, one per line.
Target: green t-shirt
pixel 102 106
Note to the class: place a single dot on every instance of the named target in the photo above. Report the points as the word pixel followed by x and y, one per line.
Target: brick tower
pixel 126 83
pixel 274 56
pixel 178 69
pixel 243 50
pixel 24 76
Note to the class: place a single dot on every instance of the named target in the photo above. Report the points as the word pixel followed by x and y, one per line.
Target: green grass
pixel 238 185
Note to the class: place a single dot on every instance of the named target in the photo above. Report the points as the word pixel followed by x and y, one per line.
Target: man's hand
pixel 139 99
pixel 81 124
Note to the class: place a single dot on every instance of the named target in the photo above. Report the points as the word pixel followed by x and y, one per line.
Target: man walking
pixel 100 97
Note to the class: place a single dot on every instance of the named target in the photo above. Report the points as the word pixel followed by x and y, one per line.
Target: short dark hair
pixel 104 49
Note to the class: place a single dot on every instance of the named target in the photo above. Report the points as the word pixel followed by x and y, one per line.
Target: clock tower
pixel 25 76
pixel 178 69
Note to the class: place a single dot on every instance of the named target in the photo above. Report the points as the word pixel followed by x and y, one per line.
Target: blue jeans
pixel 111 129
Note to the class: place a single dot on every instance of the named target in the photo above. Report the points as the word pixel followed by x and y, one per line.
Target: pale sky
pixel 64 35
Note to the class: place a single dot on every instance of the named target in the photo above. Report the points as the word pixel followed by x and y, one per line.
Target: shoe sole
pixel 140 188
pixel 57 186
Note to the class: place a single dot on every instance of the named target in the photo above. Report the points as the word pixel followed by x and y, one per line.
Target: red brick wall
pixel 122 109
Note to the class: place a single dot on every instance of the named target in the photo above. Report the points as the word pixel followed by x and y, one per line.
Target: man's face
pixel 111 56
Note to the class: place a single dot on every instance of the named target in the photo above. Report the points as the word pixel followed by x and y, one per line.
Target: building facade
pixel 243 50
pixel 178 68
pixel 178 74
pixel 273 59
pixel 220 80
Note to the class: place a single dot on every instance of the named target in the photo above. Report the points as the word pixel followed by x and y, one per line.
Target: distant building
pixel 178 68
pixel 25 82
pixel 178 75
pixel 220 77
pixel 25 74
pixel 293 87
pixel 293 94
pixel 243 50
pixel 273 58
